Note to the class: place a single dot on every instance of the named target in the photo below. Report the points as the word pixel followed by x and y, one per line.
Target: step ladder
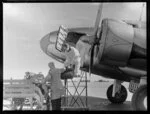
pixel 77 99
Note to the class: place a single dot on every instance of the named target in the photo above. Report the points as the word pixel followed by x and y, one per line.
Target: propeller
pixel 97 22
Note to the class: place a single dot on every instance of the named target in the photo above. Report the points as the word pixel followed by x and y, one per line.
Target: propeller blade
pixel 91 59
pixel 98 18
pixel 97 22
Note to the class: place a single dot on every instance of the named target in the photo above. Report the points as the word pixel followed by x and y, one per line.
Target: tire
pixel 138 98
pixel 119 97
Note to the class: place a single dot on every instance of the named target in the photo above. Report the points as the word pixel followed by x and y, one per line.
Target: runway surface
pixel 104 104
pixel 98 104
pixel 97 98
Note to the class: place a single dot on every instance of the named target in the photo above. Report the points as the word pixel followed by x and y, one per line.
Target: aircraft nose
pixel 47 44
pixel 44 42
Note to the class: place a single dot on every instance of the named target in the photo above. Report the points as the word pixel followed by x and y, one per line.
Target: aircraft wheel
pixel 139 98
pixel 120 96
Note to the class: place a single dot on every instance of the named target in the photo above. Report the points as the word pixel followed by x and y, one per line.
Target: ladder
pixel 77 99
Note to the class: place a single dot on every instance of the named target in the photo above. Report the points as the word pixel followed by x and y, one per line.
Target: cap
pixel 51 64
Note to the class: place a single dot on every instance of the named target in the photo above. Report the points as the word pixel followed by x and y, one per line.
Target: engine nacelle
pixel 118 43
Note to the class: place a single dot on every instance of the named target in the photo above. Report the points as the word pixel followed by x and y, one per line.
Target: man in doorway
pixel 72 58
pixel 57 89
pixel 84 45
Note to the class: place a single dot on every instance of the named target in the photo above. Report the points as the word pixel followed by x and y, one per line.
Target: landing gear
pixel 119 97
pixel 139 98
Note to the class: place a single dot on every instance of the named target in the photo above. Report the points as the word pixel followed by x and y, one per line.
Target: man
pixel 57 89
pixel 72 58
pixel 84 45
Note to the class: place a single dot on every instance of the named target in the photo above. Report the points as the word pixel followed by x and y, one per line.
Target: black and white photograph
pixel 89 56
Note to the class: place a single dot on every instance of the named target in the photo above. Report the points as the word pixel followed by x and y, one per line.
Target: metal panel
pixel 116 42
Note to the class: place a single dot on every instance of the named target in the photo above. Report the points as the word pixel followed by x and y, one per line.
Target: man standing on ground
pixel 57 89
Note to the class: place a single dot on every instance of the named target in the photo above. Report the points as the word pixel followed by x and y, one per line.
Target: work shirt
pixel 54 77
pixel 83 45
pixel 72 56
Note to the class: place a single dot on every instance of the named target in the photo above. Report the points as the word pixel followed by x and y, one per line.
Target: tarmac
pixel 97 100
pixel 97 104
pixel 102 104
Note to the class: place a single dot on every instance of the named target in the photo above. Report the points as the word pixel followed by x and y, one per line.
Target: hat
pixel 51 64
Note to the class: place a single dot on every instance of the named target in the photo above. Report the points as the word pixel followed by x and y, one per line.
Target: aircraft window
pixel 59 46
pixel 60 41
pixel 62 35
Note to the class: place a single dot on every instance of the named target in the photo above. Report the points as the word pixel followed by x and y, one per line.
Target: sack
pixel 67 74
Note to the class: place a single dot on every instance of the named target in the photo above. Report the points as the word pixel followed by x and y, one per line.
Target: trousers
pixel 56 104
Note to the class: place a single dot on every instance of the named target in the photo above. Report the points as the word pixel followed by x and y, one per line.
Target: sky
pixel 24 25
